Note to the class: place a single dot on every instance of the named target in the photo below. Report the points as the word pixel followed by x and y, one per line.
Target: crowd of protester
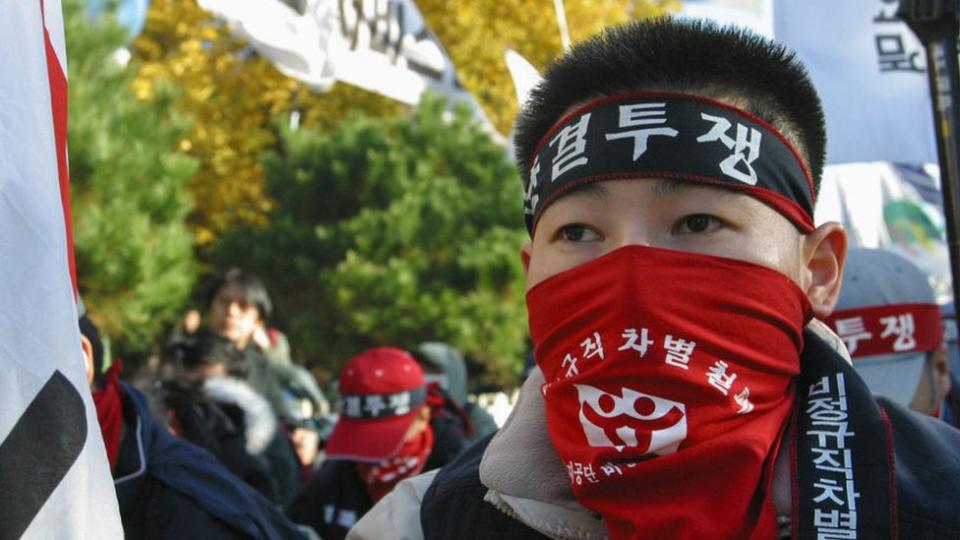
pixel 790 380
pixel 230 438
pixel 233 439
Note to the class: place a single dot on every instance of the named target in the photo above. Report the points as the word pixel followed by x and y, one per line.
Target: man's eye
pixel 697 223
pixel 578 232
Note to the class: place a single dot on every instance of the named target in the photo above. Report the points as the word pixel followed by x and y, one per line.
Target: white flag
pixel 54 478
pixel 870 71
pixel 892 207
pixel 525 76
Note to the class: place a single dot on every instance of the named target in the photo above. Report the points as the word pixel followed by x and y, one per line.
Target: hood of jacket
pixel 259 422
pixel 451 363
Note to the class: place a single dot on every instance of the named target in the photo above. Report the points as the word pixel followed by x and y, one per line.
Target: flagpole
pixel 562 23
pixel 935 22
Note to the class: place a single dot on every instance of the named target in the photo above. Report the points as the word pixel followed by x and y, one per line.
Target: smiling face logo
pixel 652 424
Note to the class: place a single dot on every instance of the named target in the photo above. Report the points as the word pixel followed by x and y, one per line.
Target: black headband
pixel 369 406
pixel 669 135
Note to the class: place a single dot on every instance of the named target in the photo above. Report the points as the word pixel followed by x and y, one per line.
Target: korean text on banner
pixel 870 71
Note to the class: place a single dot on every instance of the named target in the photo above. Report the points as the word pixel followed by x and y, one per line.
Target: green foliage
pixel 393 232
pixel 128 188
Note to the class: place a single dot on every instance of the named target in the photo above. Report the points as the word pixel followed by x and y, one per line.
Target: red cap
pixel 381 393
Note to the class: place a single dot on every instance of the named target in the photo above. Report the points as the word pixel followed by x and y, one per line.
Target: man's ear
pixel 525 256
pixel 87 347
pixel 824 255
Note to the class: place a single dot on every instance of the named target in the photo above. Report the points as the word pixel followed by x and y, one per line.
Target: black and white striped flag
pixel 54 478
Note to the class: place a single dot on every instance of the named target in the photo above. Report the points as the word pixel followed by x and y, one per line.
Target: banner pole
pixel 936 24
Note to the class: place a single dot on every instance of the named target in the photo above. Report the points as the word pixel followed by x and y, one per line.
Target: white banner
pixel 382 46
pixel 301 45
pixel 756 15
pixel 54 478
pixel 870 71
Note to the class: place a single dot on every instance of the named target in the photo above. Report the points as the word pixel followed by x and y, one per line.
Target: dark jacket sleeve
pixel 334 500
pixel 927 472
pixel 179 490
pixel 163 513
pixel 307 508
pixel 449 441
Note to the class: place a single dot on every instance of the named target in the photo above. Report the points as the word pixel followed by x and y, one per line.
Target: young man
pixel 684 388
pixel 386 432
pixel 889 319
pixel 238 308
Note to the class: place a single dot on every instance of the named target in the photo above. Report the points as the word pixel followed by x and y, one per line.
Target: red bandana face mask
pixel 381 477
pixel 110 411
pixel 669 382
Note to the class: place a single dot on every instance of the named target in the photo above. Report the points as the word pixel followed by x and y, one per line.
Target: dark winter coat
pixel 337 496
pixel 168 488
pixel 909 486
pixel 204 423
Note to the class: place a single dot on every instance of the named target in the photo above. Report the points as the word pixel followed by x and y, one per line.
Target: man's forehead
pixel 232 291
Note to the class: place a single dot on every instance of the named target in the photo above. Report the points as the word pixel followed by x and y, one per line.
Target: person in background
pixel 949 314
pixel 445 365
pixel 385 433
pixel 225 416
pixel 888 317
pixel 238 308
pixel 191 321
pixel 168 488
pixel 951 405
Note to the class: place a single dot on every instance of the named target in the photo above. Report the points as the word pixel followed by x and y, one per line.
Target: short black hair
pixel 202 350
pixel 680 55
pixel 254 293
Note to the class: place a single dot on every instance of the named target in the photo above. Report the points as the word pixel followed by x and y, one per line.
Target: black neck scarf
pixel 842 454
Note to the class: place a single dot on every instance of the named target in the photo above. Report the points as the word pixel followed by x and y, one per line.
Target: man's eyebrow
pixel 668 186
pixel 672 186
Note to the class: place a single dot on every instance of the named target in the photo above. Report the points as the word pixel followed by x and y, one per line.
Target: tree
pixel 393 232
pixel 232 97
pixel 477 35
pixel 128 188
